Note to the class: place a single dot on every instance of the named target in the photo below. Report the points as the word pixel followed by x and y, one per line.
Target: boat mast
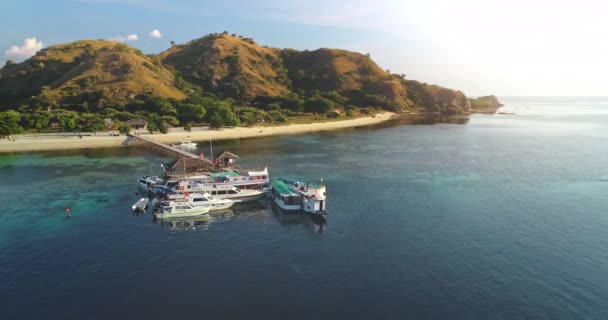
pixel 211 147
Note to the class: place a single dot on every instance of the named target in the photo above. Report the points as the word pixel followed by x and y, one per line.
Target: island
pixel 220 80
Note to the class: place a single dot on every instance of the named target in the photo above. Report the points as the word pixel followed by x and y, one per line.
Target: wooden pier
pixel 165 149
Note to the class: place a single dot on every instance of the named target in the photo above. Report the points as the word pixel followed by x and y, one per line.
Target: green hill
pixel 208 80
pixel 86 71
pixel 230 66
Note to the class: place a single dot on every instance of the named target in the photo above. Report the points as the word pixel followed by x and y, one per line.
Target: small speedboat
pixel 204 200
pixel 141 205
pixel 147 182
pixel 179 210
pixel 185 144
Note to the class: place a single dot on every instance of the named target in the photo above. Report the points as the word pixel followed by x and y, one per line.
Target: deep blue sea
pixel 488 217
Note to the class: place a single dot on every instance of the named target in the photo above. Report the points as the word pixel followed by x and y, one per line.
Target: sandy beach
pixel 24 143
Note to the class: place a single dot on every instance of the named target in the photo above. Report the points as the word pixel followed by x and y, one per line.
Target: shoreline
pixel 49 143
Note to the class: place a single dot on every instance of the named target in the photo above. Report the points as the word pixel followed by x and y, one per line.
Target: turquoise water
pixel 490 217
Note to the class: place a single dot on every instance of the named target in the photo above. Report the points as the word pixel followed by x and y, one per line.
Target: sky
pixel 506 48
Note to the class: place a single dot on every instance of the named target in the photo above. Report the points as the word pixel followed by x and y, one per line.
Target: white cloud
pixel 131 37
pixel 29 48
pixel 155 34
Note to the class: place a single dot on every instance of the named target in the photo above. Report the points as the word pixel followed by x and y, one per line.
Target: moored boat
pixel 284 196
pixel 203 200
pixel 185 144
pixel 178 210
pixel 220 192
pixel 313 195
pixel 147 182
pixel 293 195
pixel 141 205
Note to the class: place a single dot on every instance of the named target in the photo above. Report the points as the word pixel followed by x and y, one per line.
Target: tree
pixel 157 123
pixel 9 63
pixel 124 128
pixel 188 126
pixel 318 105
pixel 220 113
pixel 37 121
pixel 190 112
pixel 67 120
pixel 172 43
pixel 9 123
pixel 91 122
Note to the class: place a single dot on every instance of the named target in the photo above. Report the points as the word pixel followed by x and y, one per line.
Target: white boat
pixel 242 180
pixel 147 182
pixel 141 205
pixel 314 196
pixel 293 195
pixel 179 210
pixel 185 144
pixel 204 200
pixel 220 192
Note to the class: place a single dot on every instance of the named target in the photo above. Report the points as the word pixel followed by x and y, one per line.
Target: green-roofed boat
pixel 294 195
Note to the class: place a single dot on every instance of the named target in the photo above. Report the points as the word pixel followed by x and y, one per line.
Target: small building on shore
pixel 188 166
pixel 227 159
pixel 138 123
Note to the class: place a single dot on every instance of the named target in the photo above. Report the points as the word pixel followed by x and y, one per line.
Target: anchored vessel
pixel 185 144
pixel 146 182
pixel 178 210
pixel 218 184
pixel 219 192
pixel 141 205
pixel 202 200
pixel 293 195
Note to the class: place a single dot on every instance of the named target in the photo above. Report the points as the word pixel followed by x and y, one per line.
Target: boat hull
pixel 190 213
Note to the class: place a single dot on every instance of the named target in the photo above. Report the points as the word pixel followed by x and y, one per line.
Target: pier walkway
pixel 165 149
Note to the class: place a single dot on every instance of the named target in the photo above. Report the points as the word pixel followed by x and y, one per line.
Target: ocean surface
pixel 484 217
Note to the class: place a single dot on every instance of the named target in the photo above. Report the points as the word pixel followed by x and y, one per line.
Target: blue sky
pixel 517 47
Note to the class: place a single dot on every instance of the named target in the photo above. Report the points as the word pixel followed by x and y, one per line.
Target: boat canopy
pixel 281 188
pixel 223 174
pixel 311 185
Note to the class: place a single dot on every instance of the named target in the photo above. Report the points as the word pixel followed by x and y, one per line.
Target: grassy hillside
pixel 86 71
pixel 219 79
pixel 230 66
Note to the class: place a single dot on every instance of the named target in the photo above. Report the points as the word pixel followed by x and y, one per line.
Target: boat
pixel 147 182
pixel 313 195
pixel 141 205
pixel 284 196
pixel 294 195
pixel 219 192
pixel 242 180
pixel 185 144
pixel 203 200
pixel 179 210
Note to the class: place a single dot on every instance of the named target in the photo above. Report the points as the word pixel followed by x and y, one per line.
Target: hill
pixel 231 66
pixel 86 71
pixel 236 67
pixel 219 79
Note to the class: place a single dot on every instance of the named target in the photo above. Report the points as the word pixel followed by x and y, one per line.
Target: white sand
pixel 43 142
